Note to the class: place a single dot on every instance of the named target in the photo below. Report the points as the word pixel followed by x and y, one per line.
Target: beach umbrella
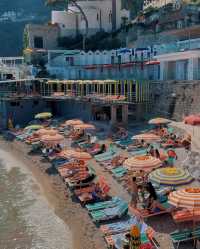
pixel 192 119
pixel 146 137
pixel 42 132
pixel 52 139
pixel 186 198
pixel 75 154
pixel 159 121
pixel 170 176
pixel 142 162
pixel 73 122
pixel 43 115
pixel 84 127
pixel 33 127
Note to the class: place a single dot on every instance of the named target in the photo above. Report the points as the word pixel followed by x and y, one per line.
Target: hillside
pixel 13 17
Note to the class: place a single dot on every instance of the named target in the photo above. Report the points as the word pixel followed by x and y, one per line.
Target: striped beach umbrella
pixel 43 115
pixel 84 127
pixel 170 176
pixel 42 132
pixel 186 198
pixel 73 122
pixel 52 139
pixel 144 162
pixel 75 154
pixel 147 137
pixel 159 121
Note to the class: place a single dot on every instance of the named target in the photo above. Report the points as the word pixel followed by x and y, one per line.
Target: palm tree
pixel 74 2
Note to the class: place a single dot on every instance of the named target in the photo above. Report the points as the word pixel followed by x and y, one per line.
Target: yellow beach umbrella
pixel 33 127
pixel 170 176
pixel 43 115
pixel 146 163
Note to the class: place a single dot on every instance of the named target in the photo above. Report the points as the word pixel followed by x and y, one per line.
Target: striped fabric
pixel 158 121
pixel 147 137
pixel 42 132
pixel 146 163
pixel 170 176
pixel 52 139
pixel 75 154
pixel 85 127
pixel 73 122
pixel 186 198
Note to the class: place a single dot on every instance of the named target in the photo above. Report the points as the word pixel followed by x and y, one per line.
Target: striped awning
pixel 170 176
pixel 146 163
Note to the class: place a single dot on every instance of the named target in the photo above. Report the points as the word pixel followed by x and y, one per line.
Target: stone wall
pixel 175 99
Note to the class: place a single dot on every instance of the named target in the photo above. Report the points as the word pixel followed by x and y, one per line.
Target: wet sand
pixel 76 229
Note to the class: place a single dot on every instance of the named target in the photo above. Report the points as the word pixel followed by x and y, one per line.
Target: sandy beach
pixel 71 227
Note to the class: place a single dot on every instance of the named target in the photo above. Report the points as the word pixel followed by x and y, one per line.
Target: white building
pixel 158 3
pixel 104 15
pixel 180 65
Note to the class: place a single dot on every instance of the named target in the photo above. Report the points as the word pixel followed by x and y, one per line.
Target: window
pixel 112 59
pixel 38 42
pixel 110 16
pixel 97 16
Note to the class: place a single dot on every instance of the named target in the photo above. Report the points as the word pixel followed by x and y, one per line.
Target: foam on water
pixel 26 219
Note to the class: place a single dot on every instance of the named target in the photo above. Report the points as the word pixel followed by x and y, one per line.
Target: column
pixel 192 68
pixel 113 114
pixel 125 114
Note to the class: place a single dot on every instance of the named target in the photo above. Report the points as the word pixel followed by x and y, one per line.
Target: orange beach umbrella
pixel 52 139
pixel 73 122
pixel 159 121
pixel 42 132
pixel 84 127
pixel 75 154
pixel 146 163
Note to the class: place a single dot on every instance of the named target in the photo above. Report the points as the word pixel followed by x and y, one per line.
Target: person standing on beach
pixel 134 193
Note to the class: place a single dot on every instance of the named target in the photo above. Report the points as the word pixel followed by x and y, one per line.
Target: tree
pixel 74 2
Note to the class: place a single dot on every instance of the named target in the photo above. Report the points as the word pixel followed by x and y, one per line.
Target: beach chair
pixel 110 213
pixel 102 205
pixel 178 237
pixel 119 172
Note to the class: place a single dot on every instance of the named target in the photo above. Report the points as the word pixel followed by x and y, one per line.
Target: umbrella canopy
pixel 73 122
pixel 170 176
pixel 75 154
pixel 146 163
pixel 33 127
pixel 52 139
pixel 192 119
pixel 42 132
pixel 186 198
pixel 147 137
pixel 159 121
pixel 84 127
pixel 43 115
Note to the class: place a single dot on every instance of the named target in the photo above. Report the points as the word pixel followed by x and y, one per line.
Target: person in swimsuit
pixel 134 193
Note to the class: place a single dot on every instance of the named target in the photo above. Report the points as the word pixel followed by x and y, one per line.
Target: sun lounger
pixel 178 237
pixel 105 204
pixel 119 172
pixel 123 226
pixel 110 213
pixel 138 152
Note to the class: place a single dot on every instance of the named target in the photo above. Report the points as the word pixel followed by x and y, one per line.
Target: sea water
pixel 26 219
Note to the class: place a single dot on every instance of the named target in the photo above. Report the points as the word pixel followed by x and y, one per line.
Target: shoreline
pixel 85 234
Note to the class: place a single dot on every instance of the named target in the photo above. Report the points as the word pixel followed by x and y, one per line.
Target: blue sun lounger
pixel 105 204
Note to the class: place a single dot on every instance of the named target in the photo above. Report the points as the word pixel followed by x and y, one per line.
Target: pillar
pixel 113 114
pixel 192 69
pixel 125 114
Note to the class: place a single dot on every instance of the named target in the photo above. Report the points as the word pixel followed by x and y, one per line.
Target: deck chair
pixel 110 213
pixel 102 205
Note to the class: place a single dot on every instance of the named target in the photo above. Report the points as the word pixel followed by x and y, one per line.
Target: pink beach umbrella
pixel 42 132
pixel 73 122
pixel 75 154
pixel 52 139
pixel 147 137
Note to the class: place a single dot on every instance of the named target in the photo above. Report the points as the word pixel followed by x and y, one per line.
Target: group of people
pixel 148 194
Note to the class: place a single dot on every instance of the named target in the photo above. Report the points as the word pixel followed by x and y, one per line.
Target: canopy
pixel 159 121
pixel 146 163
pixel 33 127
pixel 43 115
pixel 73 122
pixel 186 198
pixel 84 127
pixel 42 132
pixel 170 176
pixel 147 137
pixel 192 119
pixel 75 154
pixel 52 139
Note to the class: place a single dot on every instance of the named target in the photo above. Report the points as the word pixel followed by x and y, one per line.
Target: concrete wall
pixel 175 99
